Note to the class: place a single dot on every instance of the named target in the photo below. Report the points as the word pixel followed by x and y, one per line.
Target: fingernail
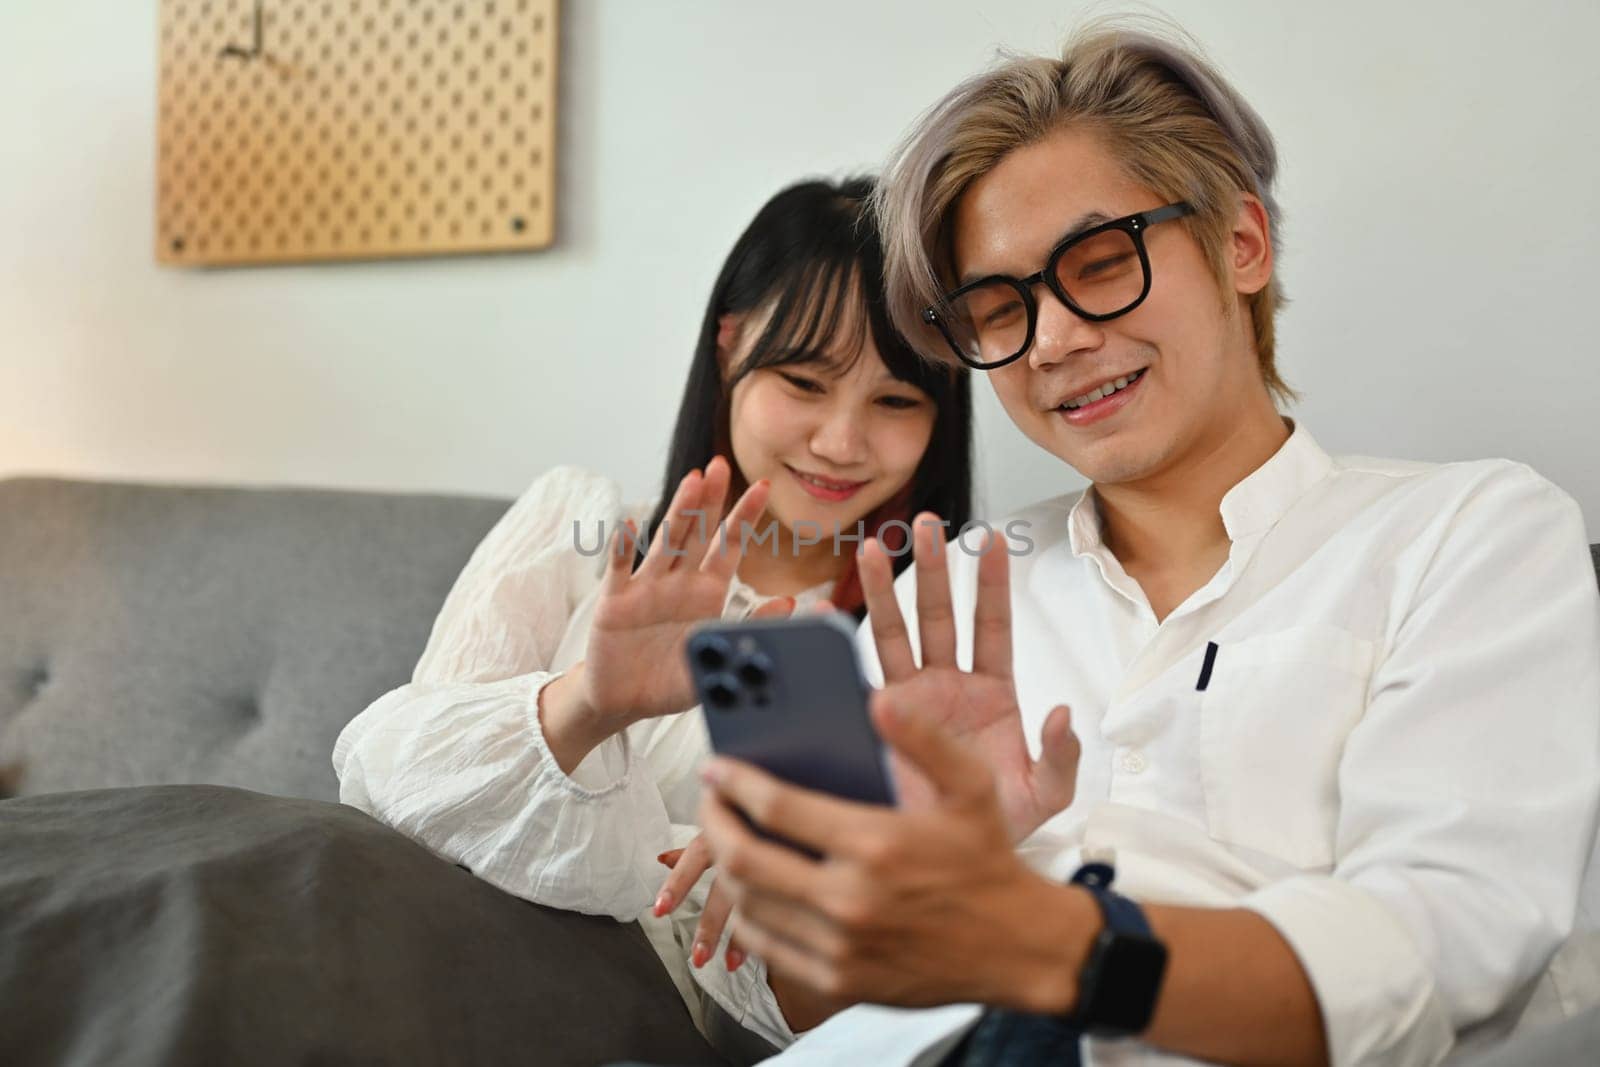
pixel 663 903
pixel 713 772
pixel 661 857
pixel 702 953
pixel 735 959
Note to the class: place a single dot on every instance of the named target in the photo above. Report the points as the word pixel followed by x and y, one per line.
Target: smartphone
pixel 788 695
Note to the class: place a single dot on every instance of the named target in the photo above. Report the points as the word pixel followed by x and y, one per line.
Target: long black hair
pixel 810 250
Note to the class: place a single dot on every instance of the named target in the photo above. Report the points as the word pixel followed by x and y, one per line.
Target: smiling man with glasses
pixel 1259 755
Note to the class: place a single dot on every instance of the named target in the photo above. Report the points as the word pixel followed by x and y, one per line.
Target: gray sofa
pixel 159 635
pixel 221 638
pixel 151 636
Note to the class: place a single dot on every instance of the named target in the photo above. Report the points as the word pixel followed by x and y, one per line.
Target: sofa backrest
pixel 159 635
pixel 154 634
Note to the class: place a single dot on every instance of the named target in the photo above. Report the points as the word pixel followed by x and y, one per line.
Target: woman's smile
pixel 824 488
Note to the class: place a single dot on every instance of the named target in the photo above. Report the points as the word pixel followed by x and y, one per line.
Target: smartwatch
pixel 1121 978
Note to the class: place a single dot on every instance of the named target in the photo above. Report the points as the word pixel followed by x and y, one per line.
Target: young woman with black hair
pixel 543 742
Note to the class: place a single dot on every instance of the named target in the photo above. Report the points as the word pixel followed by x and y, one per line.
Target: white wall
pixel 1440 187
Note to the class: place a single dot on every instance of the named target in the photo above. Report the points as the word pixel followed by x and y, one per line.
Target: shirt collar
pixel 1265 495
pixel 1251 507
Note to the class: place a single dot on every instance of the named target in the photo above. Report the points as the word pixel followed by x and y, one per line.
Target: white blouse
pixel 457 759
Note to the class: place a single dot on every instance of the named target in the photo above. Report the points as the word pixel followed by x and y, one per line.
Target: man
pixel 1329 727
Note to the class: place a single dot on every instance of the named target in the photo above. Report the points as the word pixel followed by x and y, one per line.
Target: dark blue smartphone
pixel 788 695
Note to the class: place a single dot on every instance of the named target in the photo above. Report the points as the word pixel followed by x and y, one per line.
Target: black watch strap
pixel 1121 977
pixel 1120 913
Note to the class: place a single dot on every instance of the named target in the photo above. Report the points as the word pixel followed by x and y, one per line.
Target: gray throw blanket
pixel 198 925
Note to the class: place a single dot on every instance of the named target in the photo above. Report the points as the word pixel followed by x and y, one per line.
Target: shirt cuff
pixel 1373 985
pixel 605 770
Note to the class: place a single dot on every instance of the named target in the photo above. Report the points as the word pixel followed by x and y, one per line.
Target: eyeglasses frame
pixel 1134 225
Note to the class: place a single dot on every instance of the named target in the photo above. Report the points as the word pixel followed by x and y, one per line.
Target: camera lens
pixel 722 693
pixel 755 670
pixel 712 654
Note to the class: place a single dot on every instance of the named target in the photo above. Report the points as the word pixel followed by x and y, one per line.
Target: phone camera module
pixel 756 670
pixel 722 692
pixel 712 654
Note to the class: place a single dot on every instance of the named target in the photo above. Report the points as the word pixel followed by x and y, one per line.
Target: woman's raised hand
pixel 634 667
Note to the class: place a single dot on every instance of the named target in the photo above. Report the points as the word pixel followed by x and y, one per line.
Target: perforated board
pixel 363 128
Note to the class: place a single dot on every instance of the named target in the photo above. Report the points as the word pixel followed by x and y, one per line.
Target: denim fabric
pixel 1016 1039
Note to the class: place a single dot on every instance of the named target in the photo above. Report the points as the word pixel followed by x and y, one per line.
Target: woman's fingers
pixel 692 861
pixel 713 498
pixel 883 611
pixel 736 955
pixel 619 564
pixel 687 865
pixel 726 549
pixel 708 933
pixel 666 547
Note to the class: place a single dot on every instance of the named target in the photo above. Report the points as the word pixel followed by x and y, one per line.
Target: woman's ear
pixel 730 326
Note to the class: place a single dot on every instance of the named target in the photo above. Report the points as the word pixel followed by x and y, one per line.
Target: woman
pixel 542 742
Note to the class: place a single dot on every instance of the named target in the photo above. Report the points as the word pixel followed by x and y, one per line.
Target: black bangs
pixel 817 317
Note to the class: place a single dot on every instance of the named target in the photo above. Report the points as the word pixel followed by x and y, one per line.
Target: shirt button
pixel 1132 762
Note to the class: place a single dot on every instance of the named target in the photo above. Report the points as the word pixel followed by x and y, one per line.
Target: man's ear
pixel 1250 246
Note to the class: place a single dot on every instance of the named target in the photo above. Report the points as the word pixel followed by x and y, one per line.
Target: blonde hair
pixel 1172 121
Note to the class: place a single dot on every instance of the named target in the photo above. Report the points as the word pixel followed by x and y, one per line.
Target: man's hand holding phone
pixel 973 710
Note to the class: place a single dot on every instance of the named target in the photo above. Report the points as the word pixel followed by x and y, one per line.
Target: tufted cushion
pixel 155 635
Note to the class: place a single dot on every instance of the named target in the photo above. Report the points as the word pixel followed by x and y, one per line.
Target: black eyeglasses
pixel 1100 273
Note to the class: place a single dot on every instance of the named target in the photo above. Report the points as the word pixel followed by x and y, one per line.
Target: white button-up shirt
pixel 1394 756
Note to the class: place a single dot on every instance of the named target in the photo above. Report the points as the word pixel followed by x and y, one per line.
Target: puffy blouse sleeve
pixel 457 759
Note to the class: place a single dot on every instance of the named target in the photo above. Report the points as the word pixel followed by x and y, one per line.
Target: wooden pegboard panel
pixel 363 128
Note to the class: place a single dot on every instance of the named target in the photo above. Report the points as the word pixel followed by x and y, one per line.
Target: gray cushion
pixel 192 925
pixel 159 635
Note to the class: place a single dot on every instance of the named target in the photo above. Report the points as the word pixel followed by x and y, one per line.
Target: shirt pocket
pixel 1273 722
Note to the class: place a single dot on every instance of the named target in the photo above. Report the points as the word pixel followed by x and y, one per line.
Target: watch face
pixel 1120 994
